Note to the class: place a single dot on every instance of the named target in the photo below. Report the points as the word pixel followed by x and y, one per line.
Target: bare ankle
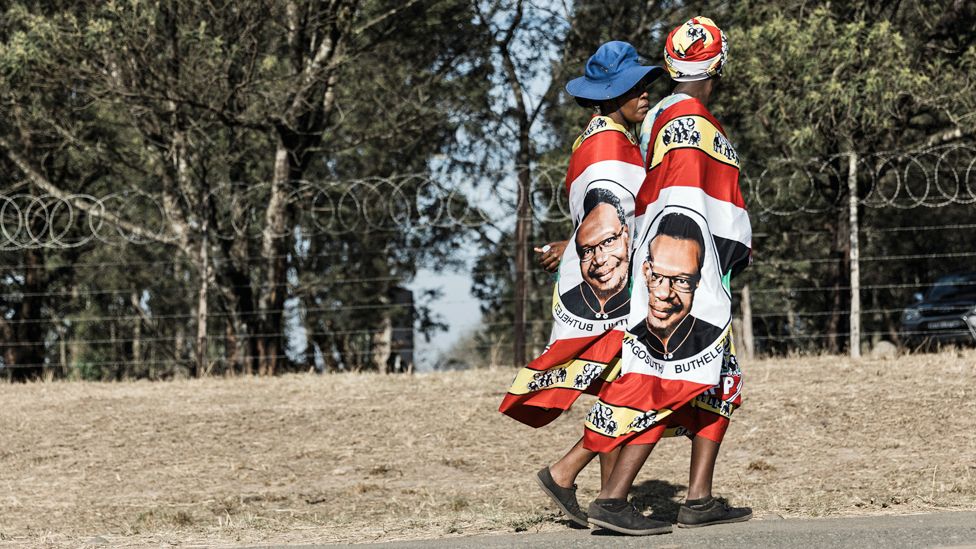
pixel 561 478
pixel 696 495
pixel 608 493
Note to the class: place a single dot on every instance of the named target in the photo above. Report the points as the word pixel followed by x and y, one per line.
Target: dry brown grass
pixel 357 458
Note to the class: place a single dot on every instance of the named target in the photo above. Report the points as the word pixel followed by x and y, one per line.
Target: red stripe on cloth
pixel 541 407
pixel 644 392
pixel 698 51
pixel 606 145
pixel 691 167
pixel 688 167
pixel 697 421
pixel 592 348
pixel 641 392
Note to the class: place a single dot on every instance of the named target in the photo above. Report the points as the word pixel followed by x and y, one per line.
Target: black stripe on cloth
pixel 733 255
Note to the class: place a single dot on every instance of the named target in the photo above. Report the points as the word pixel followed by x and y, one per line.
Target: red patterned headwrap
pixel 696 50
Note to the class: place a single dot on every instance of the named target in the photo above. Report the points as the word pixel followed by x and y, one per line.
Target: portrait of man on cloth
pixel 602 244
pixel 672 272
pixel 679 328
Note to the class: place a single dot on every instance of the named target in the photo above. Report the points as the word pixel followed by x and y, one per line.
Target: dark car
pixel 945 314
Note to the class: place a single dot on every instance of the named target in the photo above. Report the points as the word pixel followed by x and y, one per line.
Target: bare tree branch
pixel 948 136
pixel 383 17
pixel 38 179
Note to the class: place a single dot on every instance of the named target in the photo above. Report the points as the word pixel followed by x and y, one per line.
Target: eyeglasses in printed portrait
pixel 602 244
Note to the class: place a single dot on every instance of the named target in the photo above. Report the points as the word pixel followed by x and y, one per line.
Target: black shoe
pixel 708 511
pixel 564 498
pixel 620 516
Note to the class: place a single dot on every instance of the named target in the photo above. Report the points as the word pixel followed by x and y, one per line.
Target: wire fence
pixel 931 178
pixel 84 295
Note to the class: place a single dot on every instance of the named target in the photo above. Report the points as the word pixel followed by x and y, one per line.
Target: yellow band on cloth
pixel 695 132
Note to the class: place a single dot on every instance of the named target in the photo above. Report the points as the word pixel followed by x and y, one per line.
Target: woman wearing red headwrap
pixel 679 374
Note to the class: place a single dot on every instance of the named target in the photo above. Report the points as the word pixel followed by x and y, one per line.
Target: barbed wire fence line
pixel 930 178
pixel 95 327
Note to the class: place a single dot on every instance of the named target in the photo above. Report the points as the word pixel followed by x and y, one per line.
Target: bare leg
pixel 565 471
pixel 704 452
pixel 607 462
pixel 700 509
pixel 629 461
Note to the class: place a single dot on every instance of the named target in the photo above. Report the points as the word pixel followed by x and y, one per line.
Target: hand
pixel 551 254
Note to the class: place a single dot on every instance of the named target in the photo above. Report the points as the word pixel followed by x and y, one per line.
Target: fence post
pixel 855 319
pixel 200 364
pixel 748 343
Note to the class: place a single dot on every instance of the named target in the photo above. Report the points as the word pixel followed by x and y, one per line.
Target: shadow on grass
pixel 659 496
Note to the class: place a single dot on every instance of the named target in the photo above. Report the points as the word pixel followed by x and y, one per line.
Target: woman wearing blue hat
pixel 592 296
pixel 614 84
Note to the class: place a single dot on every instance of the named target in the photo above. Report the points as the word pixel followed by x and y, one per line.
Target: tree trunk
pixel 347 353
pixel 234 285
pixel 63 349
pixel 74 351
pixel 179 337
pixel 26 356
pixel 309 343
pixel 381 345
pixel 327 346
pixel 136 332
pixel 118 369
pixel 300 126
pixel 231 351
pixel 523 228
pixel 839 276
pixel 200 364
pixel 273 249
pixel 853 256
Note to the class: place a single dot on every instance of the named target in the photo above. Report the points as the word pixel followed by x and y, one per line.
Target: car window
pixel 953 286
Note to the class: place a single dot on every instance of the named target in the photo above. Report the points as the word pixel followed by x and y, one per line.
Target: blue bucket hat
pixel 611 72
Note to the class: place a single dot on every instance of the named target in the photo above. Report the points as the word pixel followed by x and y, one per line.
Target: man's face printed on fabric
pixel 671 273
pixel 603 244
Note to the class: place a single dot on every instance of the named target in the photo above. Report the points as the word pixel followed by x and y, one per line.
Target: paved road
pixel 942 530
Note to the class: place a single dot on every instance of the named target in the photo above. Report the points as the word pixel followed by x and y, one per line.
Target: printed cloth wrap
pixel 678 350
pixel 696 50
pixel 591 297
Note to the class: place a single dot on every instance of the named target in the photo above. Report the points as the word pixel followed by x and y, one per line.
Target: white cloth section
pixel 704 368
pixel 694 67
pixel 726 220
pixel 626 175
pixel 624 180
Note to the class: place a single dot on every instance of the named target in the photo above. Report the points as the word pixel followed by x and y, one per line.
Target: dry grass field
pixel 362 458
